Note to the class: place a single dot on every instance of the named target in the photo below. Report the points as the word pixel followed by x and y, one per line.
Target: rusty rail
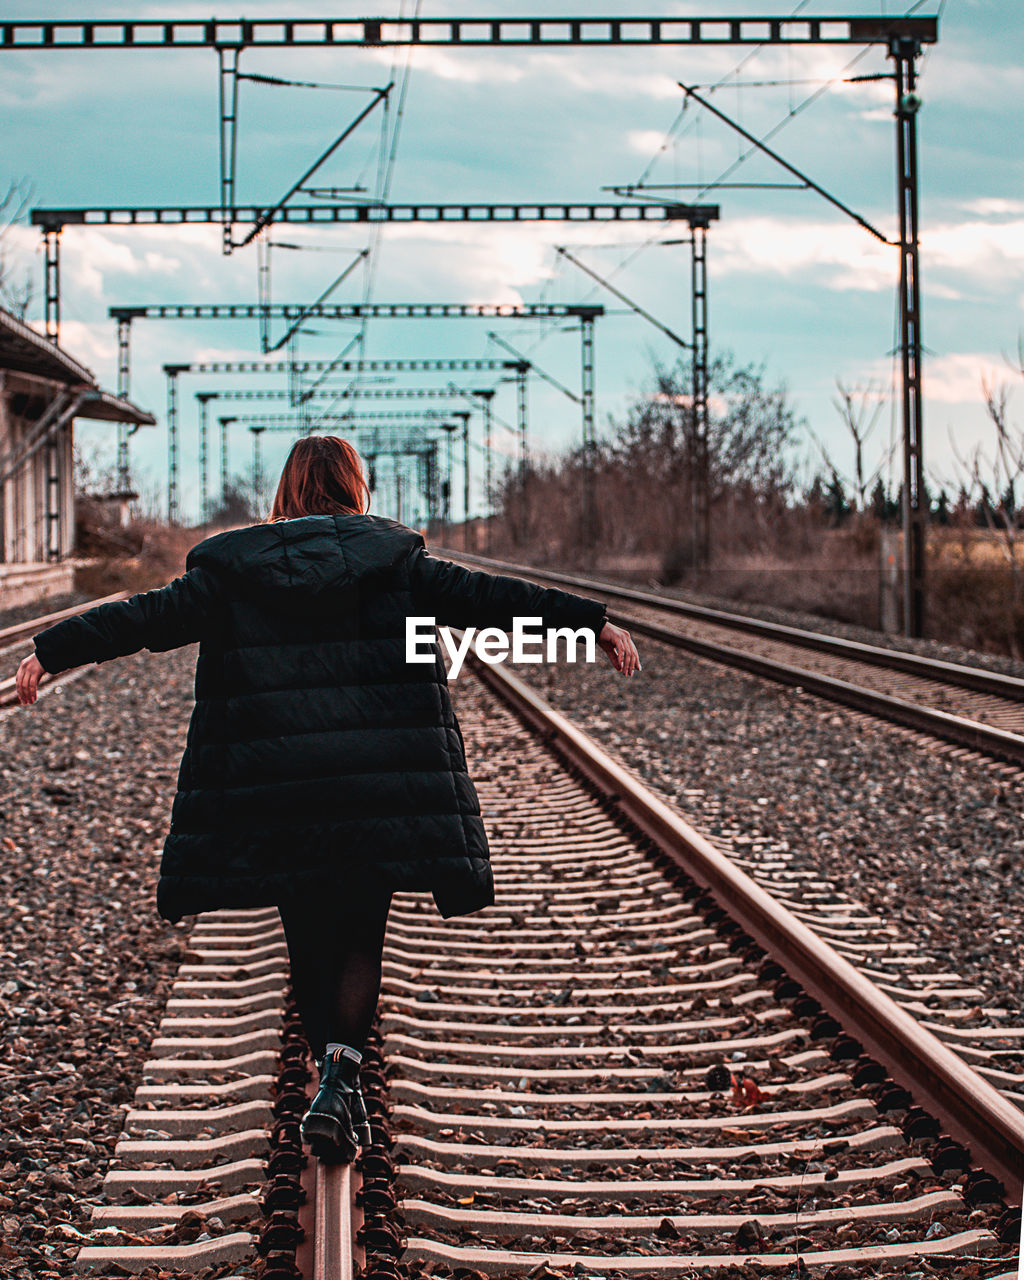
pixel 974 734
pixel 25 630
pixel 973 1112
pixel 22 630
pixel 334 1245
pixel 965 677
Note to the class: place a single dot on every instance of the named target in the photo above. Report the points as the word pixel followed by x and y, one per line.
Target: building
pixel 42 391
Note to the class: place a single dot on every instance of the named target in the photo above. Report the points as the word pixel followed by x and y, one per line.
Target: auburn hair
pixel 322 475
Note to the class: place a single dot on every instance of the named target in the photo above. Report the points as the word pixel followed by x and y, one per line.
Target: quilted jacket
pixel 318 760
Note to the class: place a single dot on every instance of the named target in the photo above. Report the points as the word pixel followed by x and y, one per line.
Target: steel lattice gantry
pixel 395 446
pixel 124 316
pixel 903 37
pixel 411 365
pixel 635 31
pixel 428 418
pixel 204 398
pixel 53 221
pixel 296 368
pixel 423 451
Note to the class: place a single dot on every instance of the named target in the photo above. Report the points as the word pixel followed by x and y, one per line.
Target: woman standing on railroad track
pixel 322 770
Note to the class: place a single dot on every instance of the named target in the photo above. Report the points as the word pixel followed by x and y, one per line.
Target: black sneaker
pixel 329 1124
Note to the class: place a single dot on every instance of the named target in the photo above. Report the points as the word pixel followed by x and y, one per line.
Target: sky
pixel 794 284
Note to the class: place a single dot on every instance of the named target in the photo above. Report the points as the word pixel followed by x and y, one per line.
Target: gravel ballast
pixel 86 782
pixel 926 648
pixel 926 838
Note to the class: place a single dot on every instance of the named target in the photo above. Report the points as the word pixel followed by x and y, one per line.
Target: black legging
pixel 335 955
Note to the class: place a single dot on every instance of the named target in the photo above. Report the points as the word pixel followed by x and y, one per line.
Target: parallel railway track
pixel 637 1063
pixel 969 706
pixel 15 641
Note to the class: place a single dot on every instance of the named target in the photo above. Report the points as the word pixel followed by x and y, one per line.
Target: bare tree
pixel 993 478
pixel 860 409
pixel 94 473
pixel 15 282
pixel 237 505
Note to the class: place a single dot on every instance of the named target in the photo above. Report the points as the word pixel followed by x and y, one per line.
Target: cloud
pixel 957 379
pixel 646 141
pixel 91 344
pixel 985 251
pixel 600 72
pixel 960 378
pixel 995 207
pixel 845 255
pixel 957 257
pixel 475 68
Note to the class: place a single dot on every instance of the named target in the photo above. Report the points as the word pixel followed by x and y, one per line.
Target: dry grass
pixel 975 599
pixel 145 555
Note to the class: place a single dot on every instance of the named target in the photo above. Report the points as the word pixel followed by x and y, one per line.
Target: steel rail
pixel 972 1111
pixel 334 1244
pixel 23 630
pixel 973 734
pixel 974 678
pixel 912 715
pixel 11 635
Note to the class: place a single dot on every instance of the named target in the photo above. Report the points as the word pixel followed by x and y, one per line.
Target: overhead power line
pixel 633 306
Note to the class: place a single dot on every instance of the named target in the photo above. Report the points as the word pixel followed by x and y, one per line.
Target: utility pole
pixel 449 429
pixel 204 398
pixel 227 86
pixel 701 477
pixel 698 218
pixel 487 395
pixel 464 416
pixel 522 371
pixel 124 366
pixel 172 443
pixel 51 243
pixel 224 424
pixel 123 388
pixel 257 469
pixel 522 374
pixel 589 531
pixel 428 478
pixel 904 52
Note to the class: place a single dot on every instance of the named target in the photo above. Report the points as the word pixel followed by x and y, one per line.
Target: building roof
pixel 24 350
pixel 105 407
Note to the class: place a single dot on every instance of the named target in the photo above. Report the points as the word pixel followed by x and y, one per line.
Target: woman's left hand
pixel 28 677
pixel 618 645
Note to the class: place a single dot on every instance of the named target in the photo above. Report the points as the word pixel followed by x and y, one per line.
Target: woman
pixel 322 771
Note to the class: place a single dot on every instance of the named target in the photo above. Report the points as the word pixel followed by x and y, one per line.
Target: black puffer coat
pixel 318 760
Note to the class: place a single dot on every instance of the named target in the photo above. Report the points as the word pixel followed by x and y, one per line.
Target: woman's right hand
pixel 30 672
pixel 618 645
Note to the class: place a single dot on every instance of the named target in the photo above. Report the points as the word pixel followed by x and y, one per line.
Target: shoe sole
pixel 328 1139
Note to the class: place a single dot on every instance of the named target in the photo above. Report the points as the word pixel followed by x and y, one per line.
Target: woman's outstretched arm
pixel 167 618
pixel 458 597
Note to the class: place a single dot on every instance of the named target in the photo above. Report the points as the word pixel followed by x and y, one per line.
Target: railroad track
pixel 16 638
pixel 969 706
pixel 638 1063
